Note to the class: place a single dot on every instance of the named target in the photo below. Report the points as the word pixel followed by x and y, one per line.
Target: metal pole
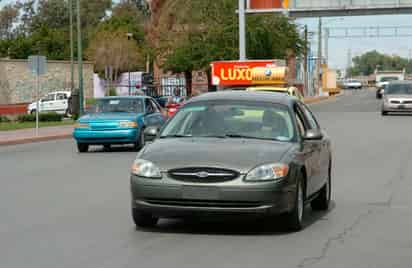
pixel 327 46
pixel 242 31
pixel 128 70
pixel 305 64
pixel 71 46
pixel 37 96
pixel 319 61
pixel 80 59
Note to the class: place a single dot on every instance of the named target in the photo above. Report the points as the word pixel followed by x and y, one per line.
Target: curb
pixel 35 139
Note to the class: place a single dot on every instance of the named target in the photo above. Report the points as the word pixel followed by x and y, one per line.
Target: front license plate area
pixel 401 107
pixel 200 193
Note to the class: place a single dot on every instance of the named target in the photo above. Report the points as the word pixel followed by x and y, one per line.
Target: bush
pixel 4 119
pixel 43 117
pixel 50 117
pixel 26 118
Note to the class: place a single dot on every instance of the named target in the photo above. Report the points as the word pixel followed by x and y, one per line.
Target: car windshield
pixel 232 120
pixel 399 89
pixel 119 105
pixel 387 79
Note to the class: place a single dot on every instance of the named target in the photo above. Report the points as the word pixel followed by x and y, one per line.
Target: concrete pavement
pixel 63 209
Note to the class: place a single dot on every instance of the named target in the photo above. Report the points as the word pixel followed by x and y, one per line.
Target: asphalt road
pixel 62 209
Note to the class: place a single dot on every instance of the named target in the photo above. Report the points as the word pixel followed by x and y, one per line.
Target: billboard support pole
pixel 242 31
pixel 319 61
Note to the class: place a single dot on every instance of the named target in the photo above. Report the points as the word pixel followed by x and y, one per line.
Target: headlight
pixel 81 125
pixel 269 172
pixel 128 124
pixel 146 169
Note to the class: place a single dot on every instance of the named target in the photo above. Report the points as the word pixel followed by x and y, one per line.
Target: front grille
pixel 203 203
pixel 203 174
pixel 407 102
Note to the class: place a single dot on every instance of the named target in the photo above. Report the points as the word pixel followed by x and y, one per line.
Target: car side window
pixel 155 106
pixel 49 97
pixel 309 116
pixel 149 106
pixel 61 96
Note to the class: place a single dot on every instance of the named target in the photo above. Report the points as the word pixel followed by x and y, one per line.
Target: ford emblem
pixel 202 174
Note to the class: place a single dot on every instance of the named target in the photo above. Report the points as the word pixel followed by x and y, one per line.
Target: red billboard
pixel 268 4
pixel 237 73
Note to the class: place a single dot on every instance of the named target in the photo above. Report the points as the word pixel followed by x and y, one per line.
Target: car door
pixel 311 153
pixel 321 147
pixel 61 102
pixel 153 117
pixel 47 103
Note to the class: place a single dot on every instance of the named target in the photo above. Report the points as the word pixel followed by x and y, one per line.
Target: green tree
pixel 8 16
pixel 191 34
pixel 367 63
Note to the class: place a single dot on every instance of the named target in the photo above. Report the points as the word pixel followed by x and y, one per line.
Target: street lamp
pixel 129 37
pixel 80 59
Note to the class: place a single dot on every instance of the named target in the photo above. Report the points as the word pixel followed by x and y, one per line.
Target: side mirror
pixel 150 133
pixel 312 135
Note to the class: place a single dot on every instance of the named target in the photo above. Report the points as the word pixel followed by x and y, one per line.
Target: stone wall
pixel 17 83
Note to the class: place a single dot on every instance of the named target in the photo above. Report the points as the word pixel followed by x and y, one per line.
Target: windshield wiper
pixel 176 136
pixel 240 136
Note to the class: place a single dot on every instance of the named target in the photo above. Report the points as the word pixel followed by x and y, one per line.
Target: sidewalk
pixel 29 135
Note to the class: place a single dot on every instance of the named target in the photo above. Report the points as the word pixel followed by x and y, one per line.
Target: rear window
pixel 399 89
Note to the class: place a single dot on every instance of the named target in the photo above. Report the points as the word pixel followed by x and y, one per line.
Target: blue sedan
pixel 118 120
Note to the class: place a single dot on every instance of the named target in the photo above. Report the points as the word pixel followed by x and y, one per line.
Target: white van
pixel 57 101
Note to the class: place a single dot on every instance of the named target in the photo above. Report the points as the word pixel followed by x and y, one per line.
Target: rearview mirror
pixel 313 134
pixel 150 133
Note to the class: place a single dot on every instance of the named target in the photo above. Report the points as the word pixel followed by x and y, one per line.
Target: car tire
pixel 140 142
pixel 82 147
pixel 294 219
pixel 142 219
pixel 384 113
pixel 322 201
pixel 107 147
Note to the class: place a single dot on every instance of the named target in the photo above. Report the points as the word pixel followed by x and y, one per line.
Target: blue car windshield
pixel 120 105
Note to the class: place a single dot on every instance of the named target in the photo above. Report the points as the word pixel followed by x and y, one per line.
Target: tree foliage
pixel 367 63
pixel 191 34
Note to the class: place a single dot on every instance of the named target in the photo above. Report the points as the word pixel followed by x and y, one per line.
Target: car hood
pixel 108 117
pixel 236 154
pixel 401 97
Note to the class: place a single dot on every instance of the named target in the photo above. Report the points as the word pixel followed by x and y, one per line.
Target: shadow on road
pixel 113 149
pixel 239 226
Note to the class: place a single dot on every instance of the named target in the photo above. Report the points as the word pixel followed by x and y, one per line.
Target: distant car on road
pixel 352 84
pixel 234 153
pixel 291 91
pixel 118 120
pixel 384 80
pixel 397 97
pixel 53 102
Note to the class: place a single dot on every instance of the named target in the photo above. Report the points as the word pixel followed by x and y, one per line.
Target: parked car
pixel 53 102
pixel 397 97
pixel 235 153
pixel 118 120
pixel 352 84
pixel 291 91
